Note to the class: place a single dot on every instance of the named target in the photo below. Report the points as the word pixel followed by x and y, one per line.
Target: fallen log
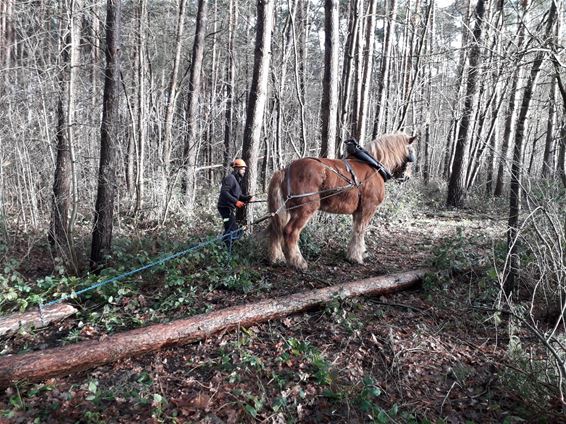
pixel 36 366
pixel 35 318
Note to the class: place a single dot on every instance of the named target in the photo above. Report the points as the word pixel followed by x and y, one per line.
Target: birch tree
pixel 329 106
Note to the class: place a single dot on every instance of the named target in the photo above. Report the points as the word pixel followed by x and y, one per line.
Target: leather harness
pixel 353 182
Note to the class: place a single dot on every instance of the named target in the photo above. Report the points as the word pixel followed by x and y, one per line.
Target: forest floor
pixel 425 355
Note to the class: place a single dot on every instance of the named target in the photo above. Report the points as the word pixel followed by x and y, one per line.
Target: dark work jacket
pixel 231 191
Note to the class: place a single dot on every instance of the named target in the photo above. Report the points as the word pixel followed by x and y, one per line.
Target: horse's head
pixel 404 170
pixel 396 152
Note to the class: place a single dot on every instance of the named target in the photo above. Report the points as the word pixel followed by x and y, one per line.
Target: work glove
pixel 240 204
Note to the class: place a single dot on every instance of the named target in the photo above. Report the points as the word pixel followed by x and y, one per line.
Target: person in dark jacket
pixel 231 197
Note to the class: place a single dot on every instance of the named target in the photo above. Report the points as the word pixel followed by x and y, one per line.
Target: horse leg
pixel 291 235
pixel 276 205
pixel 357 246
pixel 275 247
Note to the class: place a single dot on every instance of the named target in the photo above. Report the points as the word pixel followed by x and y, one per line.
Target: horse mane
pixel 389 149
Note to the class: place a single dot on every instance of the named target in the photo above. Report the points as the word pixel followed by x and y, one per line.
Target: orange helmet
pixel 239 163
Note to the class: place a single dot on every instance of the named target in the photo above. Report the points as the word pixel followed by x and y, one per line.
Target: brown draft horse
pixel 311 184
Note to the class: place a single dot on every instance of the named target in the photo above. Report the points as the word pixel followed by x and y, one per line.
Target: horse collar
pixel 357 151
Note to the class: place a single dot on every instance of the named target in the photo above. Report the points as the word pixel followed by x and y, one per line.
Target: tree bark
pixel 299 53
pixel 141 106
pixel 513 244
pixel 60 361
pixel 548 157
pixel 509 118
pixel 457 184
pixel 35 318
pixel 348 68
pixel 230 82
pixel 414 70
pixel 190 151
pixel 65 184
pixel 258 94
pixel 383 75
pixel 172 99
pixel 358 71
pixel 104 209
pixel 453 133
pixel 329 105
pixel 367 73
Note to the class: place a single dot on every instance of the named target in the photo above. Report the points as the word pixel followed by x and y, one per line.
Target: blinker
pixel 411 157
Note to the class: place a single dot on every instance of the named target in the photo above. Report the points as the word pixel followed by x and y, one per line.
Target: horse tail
pixel 279 219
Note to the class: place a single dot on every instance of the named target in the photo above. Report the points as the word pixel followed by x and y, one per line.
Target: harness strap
pixel 352 173
pixel 337 189
pixel 345 178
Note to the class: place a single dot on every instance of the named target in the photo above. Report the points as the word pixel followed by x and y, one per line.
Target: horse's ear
pixel 413 138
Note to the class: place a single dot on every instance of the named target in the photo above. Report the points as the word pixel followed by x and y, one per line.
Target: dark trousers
pixel 230 225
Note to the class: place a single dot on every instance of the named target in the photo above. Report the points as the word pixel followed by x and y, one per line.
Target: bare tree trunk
pixel 450 142
pixel 64 186
pixel 358 71
pixel 230 81
pixel 141 106
pixel 104 209
pixel 561 161
pixel 330 80
pixel 383 76
pixel 562 151
pixel 172 98
pixel 411 83
pixel 509 118
pixel 548 157
pixel 457 184
pixel 513 246
pixel 367 73
pixel 348 69
pixel 299 79
pixel 8 33
pixel 492 147
pixel 278 92
pixel 213 95
pixel 431 33
pixel 190 151
pixel 408 51
pixel 258 93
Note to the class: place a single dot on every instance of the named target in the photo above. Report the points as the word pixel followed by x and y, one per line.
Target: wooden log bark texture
pixel 49 314
pixel 36 366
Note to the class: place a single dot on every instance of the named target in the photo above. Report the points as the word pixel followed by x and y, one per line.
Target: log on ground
pixel 36 318
pixel 36 366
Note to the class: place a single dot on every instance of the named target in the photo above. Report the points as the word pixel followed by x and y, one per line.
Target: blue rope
pixel 147 266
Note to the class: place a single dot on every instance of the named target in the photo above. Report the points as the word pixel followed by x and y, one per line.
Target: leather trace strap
pixel 350 185
pixel 352 173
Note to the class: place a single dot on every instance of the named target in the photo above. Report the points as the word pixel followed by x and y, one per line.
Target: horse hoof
pixel 277 261
pixel 301 266
pixel 358 261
